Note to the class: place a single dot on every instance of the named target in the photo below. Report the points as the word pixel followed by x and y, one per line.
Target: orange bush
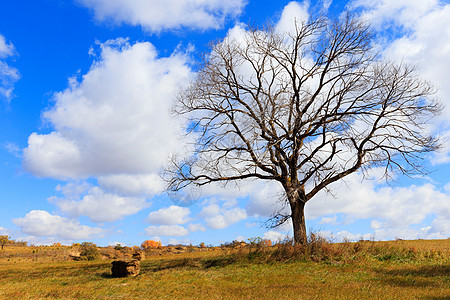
pixel 266 243
pixel 149 244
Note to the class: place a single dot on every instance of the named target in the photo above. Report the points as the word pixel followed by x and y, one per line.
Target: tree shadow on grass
pixel 193 263
pixel 416 276
pixel 107 275
pixel 425 271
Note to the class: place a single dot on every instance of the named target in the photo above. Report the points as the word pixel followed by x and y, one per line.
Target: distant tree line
pixel 6 240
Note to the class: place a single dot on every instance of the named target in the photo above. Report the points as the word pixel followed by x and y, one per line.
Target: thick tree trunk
pixel 297 199
pixel 298 222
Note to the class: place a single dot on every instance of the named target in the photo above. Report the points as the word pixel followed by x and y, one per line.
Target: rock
pixel 138 255
pixel 75 254
pixel 123 268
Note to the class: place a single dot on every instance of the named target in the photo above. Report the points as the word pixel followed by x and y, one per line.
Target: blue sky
pixel 85 89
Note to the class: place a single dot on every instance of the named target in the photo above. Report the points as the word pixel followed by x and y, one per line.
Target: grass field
pixel 368 270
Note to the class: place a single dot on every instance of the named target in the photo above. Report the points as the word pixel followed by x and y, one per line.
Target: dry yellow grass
pixel 210 275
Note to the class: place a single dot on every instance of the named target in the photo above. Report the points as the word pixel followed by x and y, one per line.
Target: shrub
pixel 149 244
pixel 89 251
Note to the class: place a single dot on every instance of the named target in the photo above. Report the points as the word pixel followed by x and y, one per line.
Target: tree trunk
pixel 298 222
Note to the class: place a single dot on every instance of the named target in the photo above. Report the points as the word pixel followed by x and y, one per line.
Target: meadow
pixel 361 270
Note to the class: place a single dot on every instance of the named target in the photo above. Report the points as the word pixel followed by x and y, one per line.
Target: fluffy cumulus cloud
pixel 294 12
pixel 393 210
pixel 133 185
pixel 166 230
pixel 219 217
pixel 158 15
pixel 421 37
pixel 173 215
pixel 112 124
pixel 8 74
pixel 115 120
pixel 266 199
pixel 99 206
pixel 384 13
pixel 196 227
pixel 40 223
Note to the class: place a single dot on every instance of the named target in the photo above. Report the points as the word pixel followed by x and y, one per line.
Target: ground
pixel 375 270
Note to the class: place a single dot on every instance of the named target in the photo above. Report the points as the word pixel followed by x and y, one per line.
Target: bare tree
pixel 306 109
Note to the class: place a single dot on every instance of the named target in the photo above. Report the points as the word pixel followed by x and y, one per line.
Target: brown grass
pixel 363 270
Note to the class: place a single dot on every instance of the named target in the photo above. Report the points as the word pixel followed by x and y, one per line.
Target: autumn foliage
pixel 266 243
pixel 149 244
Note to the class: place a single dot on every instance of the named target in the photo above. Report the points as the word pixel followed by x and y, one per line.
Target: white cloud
pixel 117 243
pixel 274 236
pixel 166 230
pixel 132 185
pixel 158 15
pixel 40 223
pixel 376 224
pixel 8 74
pixel 173 215
pixel 384 13
pixel 225 218
pixel 442 156
pixel 98 205
pixel 406 233
pixel 395 206
pixel 294 12
pixel 395 211
pixel 327 4
pixel 178 242
pixel 421 38
pixel 196 227
pixel 265 199
pixel 3 231
pixel 115 121
pixel 6 49
pixel 210 210
pixel 439 229
pixel 328 220
pixel 240 238
pixel 14 149
pixel 342 236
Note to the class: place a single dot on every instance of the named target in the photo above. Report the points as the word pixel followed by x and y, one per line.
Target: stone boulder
pixel 138 255
pixel 123 268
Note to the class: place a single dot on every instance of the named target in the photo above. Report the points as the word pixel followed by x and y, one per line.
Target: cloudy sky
pixel 85 92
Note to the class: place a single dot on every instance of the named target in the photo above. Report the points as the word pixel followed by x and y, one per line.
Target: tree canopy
pixel 305 108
